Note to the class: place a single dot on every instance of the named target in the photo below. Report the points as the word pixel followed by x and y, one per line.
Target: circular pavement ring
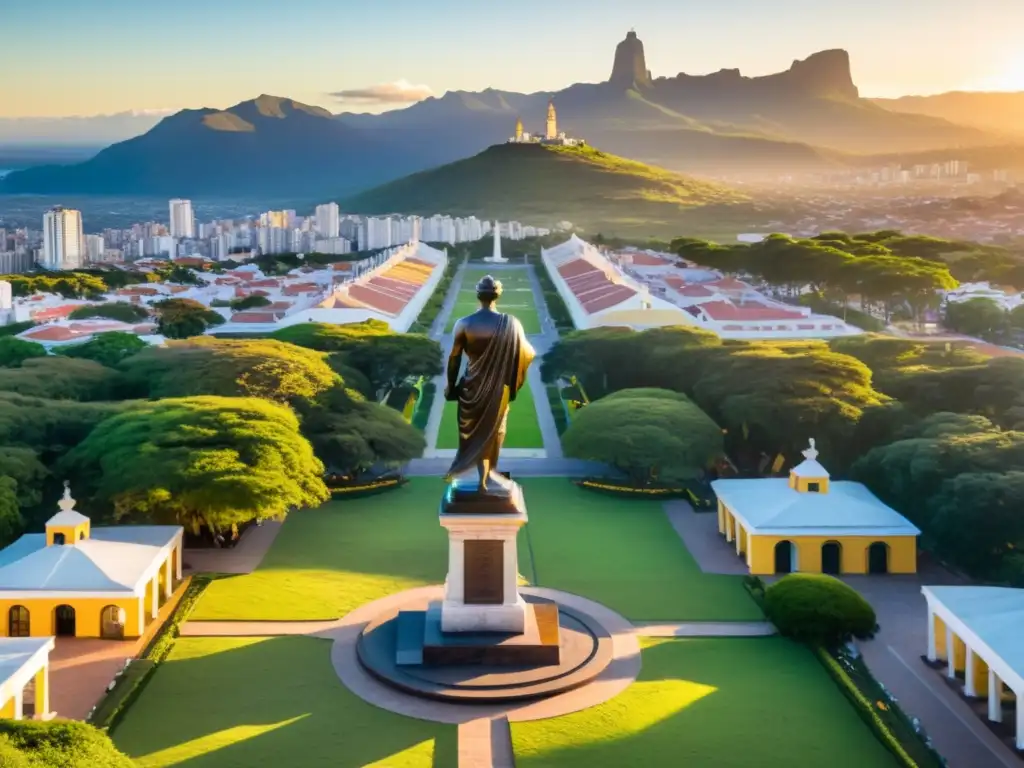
pixel 620 673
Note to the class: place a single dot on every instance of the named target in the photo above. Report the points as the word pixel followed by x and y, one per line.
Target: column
pixel 969 691
pixel 154 602
pixel 142 615
pixel 19 704
pixel 43 692
pixel 721 518
pixel 168 579
pixel 739 539
pixel 729 525
pixel 995 697
pixel 950 654
pixel 1020 720
pixel 177 561
pixel 932 654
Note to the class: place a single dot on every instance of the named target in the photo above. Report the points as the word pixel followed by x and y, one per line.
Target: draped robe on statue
pixel 493 378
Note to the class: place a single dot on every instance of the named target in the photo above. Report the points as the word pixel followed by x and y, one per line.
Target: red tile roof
pixel 300 288
pixel 648 260
pixel 608 300
pixel 575 268
pixel 255 317
pixel 729 284
pixel 724 310
pixel 375 299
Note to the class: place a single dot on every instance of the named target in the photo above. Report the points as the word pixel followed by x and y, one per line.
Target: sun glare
pixel 1009 77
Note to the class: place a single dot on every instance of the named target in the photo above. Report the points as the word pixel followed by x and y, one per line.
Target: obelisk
pixel 496 257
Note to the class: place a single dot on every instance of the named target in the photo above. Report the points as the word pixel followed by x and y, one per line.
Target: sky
pixel 88 57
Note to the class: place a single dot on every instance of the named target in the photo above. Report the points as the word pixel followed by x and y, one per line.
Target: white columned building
pixel 979 633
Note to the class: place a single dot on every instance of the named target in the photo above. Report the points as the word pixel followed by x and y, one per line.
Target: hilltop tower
pixel 551 131
pixel 519 130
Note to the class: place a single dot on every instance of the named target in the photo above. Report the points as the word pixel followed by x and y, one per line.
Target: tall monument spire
pixel 496 257
pixel 551 131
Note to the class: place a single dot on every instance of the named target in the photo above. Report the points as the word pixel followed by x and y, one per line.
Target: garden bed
pixel 614 488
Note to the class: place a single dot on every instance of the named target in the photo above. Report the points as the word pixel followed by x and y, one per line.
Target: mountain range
pixel 810 116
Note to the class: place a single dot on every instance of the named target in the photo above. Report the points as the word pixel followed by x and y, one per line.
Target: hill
pixel 594 190
pixel 997 112
pixel 268 145
pixel 806 118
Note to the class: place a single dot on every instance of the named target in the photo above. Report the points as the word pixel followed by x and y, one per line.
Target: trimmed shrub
pixel 116 310
pixel 57 743
pixel 818 609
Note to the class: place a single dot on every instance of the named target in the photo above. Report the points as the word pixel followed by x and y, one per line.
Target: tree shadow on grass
pixel 725 703
pixel 241 702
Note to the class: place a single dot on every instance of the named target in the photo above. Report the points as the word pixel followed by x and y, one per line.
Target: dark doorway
pixel 831 558
pixel 878 557
pixel 65 621
pixel 58 538
pixel 785 555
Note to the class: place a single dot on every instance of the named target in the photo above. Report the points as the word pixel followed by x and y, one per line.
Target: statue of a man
pixel 499 356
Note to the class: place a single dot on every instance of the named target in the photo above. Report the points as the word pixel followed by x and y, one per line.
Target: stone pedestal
pixel 481 591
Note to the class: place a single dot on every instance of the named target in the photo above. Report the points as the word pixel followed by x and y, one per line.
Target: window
pixel 814 487
pixel 58 538
pixel 17 621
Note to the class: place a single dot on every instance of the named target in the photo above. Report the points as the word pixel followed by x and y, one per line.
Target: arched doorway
pixel 58 538
pixel 831 557
pixel 785 557
pixel 64 619
pixel 878 557
pixel 18 622
pixel 112 623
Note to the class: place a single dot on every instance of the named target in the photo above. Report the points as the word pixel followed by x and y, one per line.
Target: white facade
pixel 328 220
pixel 183 223
pixel 94 248
pixel 6 297
pixel 63 241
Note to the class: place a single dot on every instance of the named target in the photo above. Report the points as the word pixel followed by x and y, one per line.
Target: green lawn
pixel 523 428
pixel 624 554
pixel 730 703
pixel 517 298
pixel 242 702
pixel 328 561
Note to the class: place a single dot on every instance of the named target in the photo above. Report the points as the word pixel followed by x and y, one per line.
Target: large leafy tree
pixel 107 349
pixel 184 318
pixel 23 467
pixel 210 462
pixel 384 357
pixel 649 434
pixel 263 368
pixel 60 378
pixel 11 523
pixel 979 317
pixel 114 310
pixel 14 352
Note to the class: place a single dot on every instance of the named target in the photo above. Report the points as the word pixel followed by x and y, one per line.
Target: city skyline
pixel 917 47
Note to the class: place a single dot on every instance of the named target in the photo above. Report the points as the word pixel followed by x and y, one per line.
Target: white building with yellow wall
pixel 809 523
pixel 78 581
pixel 25 677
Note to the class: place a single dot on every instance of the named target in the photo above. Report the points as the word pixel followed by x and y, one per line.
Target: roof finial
pixel 811 453
pixel 66 503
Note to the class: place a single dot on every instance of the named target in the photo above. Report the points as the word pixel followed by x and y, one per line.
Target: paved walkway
pixel 705 629
pixel 244 557
pixel 699 532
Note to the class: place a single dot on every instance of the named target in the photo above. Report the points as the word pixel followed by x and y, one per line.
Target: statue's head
pixel 488 290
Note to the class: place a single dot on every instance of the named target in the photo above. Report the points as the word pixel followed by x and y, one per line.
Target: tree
pixel 63 743
pixel 60 378
pixel 211 462
pixel 107 349
pixel 117 310
pixel 14 352
pixel 183 318
pixel 651 435
pixel 49 427
pixel 249 302
pixel 386 358
pixel 818 609
pixel 23 467
pixel 11 523
pixel 978 317
pixel 263 368
pixel 351 436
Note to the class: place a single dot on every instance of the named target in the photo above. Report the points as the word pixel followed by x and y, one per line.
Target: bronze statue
pixel 499 356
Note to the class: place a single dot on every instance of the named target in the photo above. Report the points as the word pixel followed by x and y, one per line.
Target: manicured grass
pixel 523 428
pixel 327 561
pixel 242 702
pixel 729 703
pixel 626 555
pixel 517 298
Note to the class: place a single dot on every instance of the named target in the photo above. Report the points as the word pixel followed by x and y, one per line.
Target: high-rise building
pixel 94 248
pixel 183 222
pixel 63 243
pixel 6 295
pixel 328 220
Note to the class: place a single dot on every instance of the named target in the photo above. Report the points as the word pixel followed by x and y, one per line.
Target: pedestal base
pixel 460 617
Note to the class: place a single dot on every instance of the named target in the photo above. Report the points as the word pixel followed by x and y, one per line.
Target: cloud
pixel 398 92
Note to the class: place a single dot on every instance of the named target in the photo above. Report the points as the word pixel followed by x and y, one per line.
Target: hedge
pixel 57 743
pixel 558 411
pixel 883 716
pixel 556 304
pixel 138 672
pixel 421 415
pixel 624 490
pixel 369 488
pixel 434 304
pixel 818 609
